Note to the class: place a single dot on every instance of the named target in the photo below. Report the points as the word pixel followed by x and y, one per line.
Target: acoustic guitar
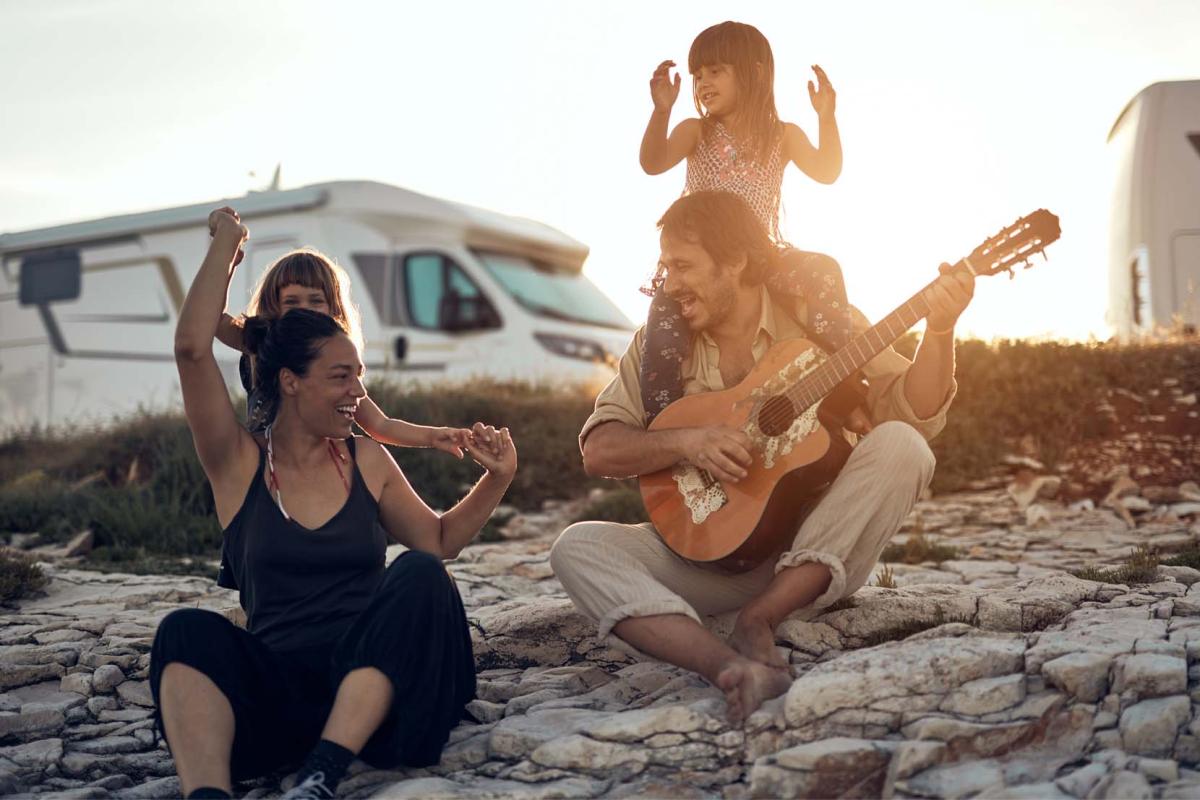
pixel 796 452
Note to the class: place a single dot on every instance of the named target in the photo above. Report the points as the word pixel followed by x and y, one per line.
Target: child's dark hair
pixel 293 341
pixel 722 224
pixel 744 48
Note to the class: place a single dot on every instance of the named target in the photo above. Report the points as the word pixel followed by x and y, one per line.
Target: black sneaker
pixel 311 788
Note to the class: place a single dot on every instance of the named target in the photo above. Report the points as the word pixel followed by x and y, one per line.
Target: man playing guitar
pixel 627 579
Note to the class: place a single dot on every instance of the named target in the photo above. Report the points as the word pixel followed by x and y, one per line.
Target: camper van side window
pixel 425 284
pixel 441 296
pixel 50 277
pixel 373 268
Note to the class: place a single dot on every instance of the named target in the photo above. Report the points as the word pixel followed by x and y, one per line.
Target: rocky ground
pixel 994 674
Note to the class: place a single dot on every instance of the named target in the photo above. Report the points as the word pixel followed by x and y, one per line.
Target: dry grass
pixel 1140 567
pixel 20 576
pixel 1184 558
pixel 918 550
pixel 148 496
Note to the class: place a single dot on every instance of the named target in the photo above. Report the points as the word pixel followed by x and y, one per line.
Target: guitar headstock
pixel 1016 244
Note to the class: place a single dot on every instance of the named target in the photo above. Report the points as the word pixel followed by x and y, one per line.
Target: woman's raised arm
pixel 412 523
pixel 219 439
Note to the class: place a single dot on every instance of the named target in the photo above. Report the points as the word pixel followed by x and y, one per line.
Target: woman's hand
pixel 225 226
pixel 493 450
pixel 823 97
pixel 450 440
pixel 664 91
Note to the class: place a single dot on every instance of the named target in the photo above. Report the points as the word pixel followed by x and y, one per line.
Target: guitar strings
pixel 1016 240
pixel 803 396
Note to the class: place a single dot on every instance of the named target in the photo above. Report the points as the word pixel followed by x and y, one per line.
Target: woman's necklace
pixel 335 456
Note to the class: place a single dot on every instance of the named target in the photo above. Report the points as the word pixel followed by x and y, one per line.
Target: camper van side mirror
pixel 50 277
pixel 401 345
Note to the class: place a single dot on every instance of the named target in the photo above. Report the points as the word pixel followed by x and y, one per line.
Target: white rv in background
pixel 446 292
pixel 1154 235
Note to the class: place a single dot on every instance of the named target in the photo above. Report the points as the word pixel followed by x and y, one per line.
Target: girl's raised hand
pixel 493 450
pixel 664 91
pixel 450 440
pixel 227 223
pixel 823 98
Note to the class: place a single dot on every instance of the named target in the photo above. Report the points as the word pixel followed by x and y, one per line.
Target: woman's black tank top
pixel 302 588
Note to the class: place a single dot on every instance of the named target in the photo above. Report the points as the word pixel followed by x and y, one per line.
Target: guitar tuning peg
pixel 1010 272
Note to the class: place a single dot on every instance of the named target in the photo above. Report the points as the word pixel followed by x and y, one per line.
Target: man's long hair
pixel 722 224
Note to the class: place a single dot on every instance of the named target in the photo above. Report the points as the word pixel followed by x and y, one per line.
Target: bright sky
pixel 956 118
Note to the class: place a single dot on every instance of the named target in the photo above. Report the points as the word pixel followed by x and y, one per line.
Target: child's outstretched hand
pixel 493 450
pixel 450 440
pixel 228 224
pixel 664 91
pixel 823 98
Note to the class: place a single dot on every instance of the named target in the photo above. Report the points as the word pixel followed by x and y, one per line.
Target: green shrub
pixel 45 507
pixel 19 575
pixel 125 519
pixel 917 550
pixel 544 421
pixel 1011 389
pixel 1140 567
pixel 146 494
pixel 1185 558
pixel 622 504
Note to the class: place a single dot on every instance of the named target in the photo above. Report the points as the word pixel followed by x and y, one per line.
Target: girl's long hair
pixel 744 48
pixel 315 270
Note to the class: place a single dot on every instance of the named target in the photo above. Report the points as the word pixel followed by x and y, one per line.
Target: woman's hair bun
pixel 255 331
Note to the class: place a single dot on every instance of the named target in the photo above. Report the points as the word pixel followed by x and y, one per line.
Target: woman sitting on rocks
pixel 341 656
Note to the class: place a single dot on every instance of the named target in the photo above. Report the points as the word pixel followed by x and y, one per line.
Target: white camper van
pixel 1154 235
pixel 446 291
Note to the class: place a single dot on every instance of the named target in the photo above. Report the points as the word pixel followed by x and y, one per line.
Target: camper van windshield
pixel 556 293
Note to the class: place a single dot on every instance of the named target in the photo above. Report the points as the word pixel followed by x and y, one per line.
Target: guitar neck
pixel 864 347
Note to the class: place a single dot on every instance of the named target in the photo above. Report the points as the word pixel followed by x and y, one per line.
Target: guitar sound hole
pixel 776 415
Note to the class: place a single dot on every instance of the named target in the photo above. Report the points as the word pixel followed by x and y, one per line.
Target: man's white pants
pixel 613 571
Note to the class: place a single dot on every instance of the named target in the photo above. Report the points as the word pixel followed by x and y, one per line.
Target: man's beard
pixel 718 301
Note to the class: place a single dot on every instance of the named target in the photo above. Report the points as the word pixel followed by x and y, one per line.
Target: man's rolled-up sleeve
pixel 621 400
pixel 887 400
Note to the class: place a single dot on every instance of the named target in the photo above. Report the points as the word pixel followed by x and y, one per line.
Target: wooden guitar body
pixel 740 524
pixel 786 406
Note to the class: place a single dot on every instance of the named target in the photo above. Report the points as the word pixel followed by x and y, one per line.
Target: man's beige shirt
pixel 621 400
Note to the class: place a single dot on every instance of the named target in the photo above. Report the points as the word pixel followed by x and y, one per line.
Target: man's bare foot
pixel 755 639
pixel 748 684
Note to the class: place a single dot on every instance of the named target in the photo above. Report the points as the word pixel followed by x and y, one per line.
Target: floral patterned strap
pixel 813 276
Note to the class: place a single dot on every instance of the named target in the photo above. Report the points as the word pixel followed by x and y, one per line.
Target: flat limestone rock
pixel 993 674
pixel 861 677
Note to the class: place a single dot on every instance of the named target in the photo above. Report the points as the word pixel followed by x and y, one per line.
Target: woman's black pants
pixel 414 631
